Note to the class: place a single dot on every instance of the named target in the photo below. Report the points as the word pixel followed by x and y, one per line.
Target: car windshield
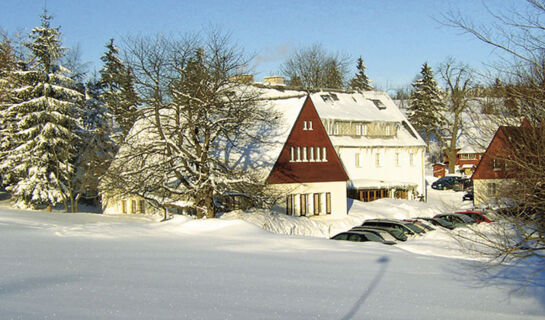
pixel 373 237
pixel 442 222
pixel 414 228
pixel 386 236
pixel 341 236
pixel 464 218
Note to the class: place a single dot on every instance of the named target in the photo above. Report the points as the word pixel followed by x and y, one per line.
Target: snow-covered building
pixel 331 145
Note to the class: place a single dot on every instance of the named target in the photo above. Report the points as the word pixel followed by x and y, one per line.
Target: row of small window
pixel 307 125
pixel 378 162
pixel 134 206
pixel 306 154
pixel 500 165
pixel 361 129
pixel 300 204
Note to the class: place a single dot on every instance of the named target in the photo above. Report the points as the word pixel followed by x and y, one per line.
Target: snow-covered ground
pixel 90 266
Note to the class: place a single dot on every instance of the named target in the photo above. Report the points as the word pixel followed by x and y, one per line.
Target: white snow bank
pixel 327 226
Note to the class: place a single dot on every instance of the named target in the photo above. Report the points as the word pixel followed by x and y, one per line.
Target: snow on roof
pixel 367 106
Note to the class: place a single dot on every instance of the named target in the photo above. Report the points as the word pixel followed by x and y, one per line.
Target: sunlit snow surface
pixel 89 266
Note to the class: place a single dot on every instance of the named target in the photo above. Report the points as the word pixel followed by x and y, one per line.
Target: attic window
pixel 326 98
pixel 379 104
pixel 334 96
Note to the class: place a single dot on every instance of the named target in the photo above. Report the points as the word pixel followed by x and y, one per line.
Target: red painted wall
pixel 485 169
pixel 285 171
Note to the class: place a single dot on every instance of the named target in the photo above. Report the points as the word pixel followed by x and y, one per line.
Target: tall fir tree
pixel 8 67
pixel 118 90
pixel 425 103
pixel 97 147
pixel 361 81
pixel 47 108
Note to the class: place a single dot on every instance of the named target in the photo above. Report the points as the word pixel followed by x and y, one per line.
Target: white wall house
pixel 329 146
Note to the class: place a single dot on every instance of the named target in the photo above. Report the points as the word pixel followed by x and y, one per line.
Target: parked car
pixel 449 182
pixel 467 184
pixel 361 236
pixel 459 220
pixel 380 232
pixel 475 215
pixel 396 233
pixel 468 196
pixel 408 228
pixel 438 222
pixel 422 224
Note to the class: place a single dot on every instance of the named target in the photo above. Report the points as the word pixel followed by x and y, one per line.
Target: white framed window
pixel 304 154
pixel 492 189
pixel 328 203
pixel 377 159
pixel 304 205
pixel 324 154
pixel 388 130
pixel 317 203
pixel 411 159
pixel 290 204
pixel 292 154
pixel 311 154
pixel 310 125
pixel 335 129
pixel 298 154
pixel 357 160
pixel 363 129
pixel 358 129
pixel 397 159
pixel 318 154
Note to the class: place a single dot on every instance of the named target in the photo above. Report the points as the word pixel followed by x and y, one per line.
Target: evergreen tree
pixel 119 94
pixel 96 148
pixel 47 107
pixel 361 81
pixel 425 103
pixel 7 84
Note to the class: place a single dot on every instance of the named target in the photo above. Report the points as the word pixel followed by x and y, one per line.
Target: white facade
pixel 486 190
pixel 376 167
pixel 317 200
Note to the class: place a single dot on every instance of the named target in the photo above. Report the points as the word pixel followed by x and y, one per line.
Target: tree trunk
pixel 451 155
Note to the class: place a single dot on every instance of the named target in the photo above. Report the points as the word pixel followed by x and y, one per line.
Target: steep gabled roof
pixel 500 146
pixel 307 132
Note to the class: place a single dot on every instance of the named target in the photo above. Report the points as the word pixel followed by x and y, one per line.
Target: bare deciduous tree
pixel 458 81
pixel 520 35
pixel 314 67
pixel 188 144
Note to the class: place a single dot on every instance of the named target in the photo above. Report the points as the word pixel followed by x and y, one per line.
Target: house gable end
pixel 308 154
pixel 485 168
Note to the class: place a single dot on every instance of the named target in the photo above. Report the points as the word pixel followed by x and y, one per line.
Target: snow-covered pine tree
pixel 119 94
pixel 96 148
pixel 47 111
pixel 426 103
pixel 361 81
pixel 7 82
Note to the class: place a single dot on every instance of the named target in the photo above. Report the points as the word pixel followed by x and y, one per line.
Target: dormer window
pixel 378 104
pixel 334 96
pixel 326 98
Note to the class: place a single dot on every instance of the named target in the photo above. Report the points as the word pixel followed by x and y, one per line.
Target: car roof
pixel 387 220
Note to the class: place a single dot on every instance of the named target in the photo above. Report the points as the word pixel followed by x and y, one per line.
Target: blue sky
pixel 394 37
